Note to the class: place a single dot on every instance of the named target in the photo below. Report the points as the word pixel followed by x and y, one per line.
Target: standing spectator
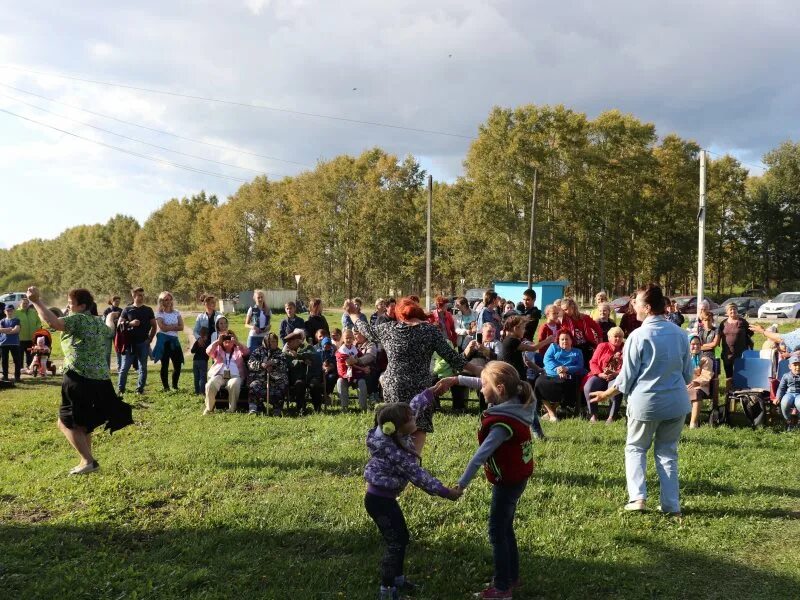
pixel 391 305
pixel 208 317
pixel 604 320
pixel 600 298
pixel 489 314
pixel 87 394
pixel 348 321
pixel 735 336
pixel 28 323
pixel 551 326
pixel 9 343
pixel 527 308
pixel 630 321
pixel 673 314
pixel 257 320
pixel 380 311
pixel 656 367
pixel 316 321
pixel 114 307
pixel 200 361
pixel 466 323
pixel 139 321
pixel 585 331
pixel 443 319
pixel 168 346
pixel 291 322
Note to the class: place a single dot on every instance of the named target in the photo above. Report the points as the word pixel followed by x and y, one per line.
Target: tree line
pixel 616 206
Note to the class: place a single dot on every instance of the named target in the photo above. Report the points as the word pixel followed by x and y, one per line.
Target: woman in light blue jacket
pixel 656 368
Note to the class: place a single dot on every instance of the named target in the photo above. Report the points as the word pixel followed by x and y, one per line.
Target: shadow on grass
pixel 343 466
pixel 47 561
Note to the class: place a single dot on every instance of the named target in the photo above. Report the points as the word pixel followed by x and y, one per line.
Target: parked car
pixel 746 305
pixel 783 306
pixel 620 305
pixel 12 299
pixel 688 304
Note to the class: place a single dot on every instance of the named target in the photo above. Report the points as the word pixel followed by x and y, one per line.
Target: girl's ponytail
pixel 525 393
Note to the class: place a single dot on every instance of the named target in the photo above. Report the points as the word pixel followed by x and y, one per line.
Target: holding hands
pixel 454 493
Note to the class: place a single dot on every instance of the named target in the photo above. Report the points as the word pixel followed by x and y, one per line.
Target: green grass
pixel 232 506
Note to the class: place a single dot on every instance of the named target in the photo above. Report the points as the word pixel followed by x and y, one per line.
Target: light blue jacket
pixel 655 370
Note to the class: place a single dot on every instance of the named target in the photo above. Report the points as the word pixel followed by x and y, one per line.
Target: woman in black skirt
pixel 88 399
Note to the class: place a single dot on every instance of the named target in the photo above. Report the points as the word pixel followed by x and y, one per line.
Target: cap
pixel 794 360
pixel 301 333
pixel 325 341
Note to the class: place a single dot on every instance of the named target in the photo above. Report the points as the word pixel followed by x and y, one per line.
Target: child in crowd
pixel 604 319
pixel 327 354
pixel 393 463
pixel 788 396
pixel 200 361
pixel 221 326
pixel 552 324
pixel 40 353
pixel 350 374
pixel 506 453
pixel 336 337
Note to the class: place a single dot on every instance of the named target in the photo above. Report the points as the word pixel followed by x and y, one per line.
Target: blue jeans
pixel 640 436
pixel 501 533
pixel 254 341
pixel 788 402
pixel 142 352
pixel 200 370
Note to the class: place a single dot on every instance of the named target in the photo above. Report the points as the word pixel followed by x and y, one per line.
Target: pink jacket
pixel 216 352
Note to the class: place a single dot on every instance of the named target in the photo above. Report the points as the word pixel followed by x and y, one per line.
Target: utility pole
pixel 428 246
pixel 533 220
pixel 701 227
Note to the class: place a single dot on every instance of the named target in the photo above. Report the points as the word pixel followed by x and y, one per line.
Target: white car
pixel 783 306
pixel 12 299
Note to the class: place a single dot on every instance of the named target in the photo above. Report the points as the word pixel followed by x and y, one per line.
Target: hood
pixel 379 444
pixel 513 408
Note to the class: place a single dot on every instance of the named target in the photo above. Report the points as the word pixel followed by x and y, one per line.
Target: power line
pixel 243 104
pixel 761 167
pixel 162 131
pixel 260 172
pixel 132 153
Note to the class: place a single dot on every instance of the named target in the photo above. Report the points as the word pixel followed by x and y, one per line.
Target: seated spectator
pixel 604 319
pixel 788 395
pixel 336 337
pixel 351 374
pixel 480 351
pixel 221 326
pixel 380 312
pixel 292 322
pixel 604 367
pixel 258 320
pixel 316 321
pixel 459 393
pixel 789 342
pixel 300 363
pixel 551 326
pixel 268 378
pixel 600 298
pixel 585 331
pixel 370 355
pixel 443 318
pixel 227 371
pixel 465 323
pixel 700 386
pixel 527 308
pixel 563 367
pixel 347 320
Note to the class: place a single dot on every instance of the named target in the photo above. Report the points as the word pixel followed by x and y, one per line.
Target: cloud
pixel 714 72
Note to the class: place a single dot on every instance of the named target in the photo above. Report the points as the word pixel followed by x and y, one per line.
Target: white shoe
pixel 87 468
pixel 207 411
pixel 635 506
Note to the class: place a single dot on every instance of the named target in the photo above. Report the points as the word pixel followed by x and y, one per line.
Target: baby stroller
pixel 45 357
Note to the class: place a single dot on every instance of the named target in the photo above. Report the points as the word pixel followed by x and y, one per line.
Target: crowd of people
pixel 512 356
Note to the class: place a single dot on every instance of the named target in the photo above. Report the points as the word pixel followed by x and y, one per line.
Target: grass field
pixel 233 506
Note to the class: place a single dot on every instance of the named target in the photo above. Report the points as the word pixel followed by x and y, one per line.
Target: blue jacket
pixel 556 357
pixel 790 384
pixel 656 367
pixel 163 343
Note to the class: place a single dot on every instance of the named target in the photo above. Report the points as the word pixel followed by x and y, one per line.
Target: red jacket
pixel 512 462
pixel 341 365
pixel 584 331
pixel 601 358
pixel 544 333
pixel 449 324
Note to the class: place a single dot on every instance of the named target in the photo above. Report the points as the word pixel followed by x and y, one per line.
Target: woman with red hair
pixel 443 319
pixel 410 343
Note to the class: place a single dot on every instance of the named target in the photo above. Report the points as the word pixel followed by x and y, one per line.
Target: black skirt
pixel 90 403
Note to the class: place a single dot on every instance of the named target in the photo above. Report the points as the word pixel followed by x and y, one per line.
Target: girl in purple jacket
pixel 393 463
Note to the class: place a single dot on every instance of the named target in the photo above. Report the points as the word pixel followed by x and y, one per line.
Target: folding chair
pixel 751 354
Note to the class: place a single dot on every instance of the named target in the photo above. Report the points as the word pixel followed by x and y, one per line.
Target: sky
pixel 721 72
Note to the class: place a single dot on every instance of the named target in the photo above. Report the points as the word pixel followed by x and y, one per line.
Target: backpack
pixel 754 405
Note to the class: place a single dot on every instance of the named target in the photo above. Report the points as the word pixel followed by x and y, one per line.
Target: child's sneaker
pixel 493 593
